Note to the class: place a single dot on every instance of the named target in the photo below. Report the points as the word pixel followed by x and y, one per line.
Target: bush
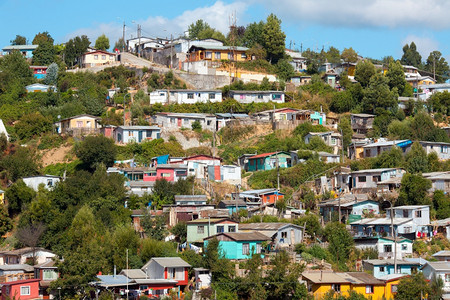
pixel 196 126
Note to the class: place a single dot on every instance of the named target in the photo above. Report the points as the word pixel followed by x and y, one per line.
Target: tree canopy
pixel 102 43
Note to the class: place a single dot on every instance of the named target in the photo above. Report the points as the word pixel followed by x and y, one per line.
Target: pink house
pixel 169 172
pixel 21 289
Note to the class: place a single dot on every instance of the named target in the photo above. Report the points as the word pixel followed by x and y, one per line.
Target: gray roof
pixel 264 226
pixel 133 273
pixel 113 280
pixel 409 207
pixel 142 183
pixel 374 170
pixel 382 262
pixel 233 203
pixel 19 47
pixel 190 198
pixel 255 92
pixel 243 236
pixel 169 262
pixel 140 127
pixel 438 265
pixel 155 281
pixel 208 47
pixel 441 253
pixel 363 115
pixel 25 267
pixel 186 115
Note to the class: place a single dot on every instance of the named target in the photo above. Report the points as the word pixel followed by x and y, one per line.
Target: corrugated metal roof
pixel 14 267
pixel 133 273
pixel 170 262
pixel 243 236
pixel 262 226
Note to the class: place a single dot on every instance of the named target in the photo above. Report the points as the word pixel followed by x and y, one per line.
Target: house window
pixel 208 54
pixel 232 228
pixel 171 273
pixel 231 170
pixel 394 288
pixel 404 247
pixel 413 270
pixel 190 95
pixel 217 55
pixel 220 229
pixel 49 182
pixel 95 57
pixel 418 214
pixel 25 290
pixel 382 269
pixel 49 275
pixel 447 277
pixel 333 141
pixel 376 178
pixel 387 248
pixel 201 229
pixel 276 97
pixel 405 213
pixel 258 248
pixel 245 249
pixel 212 96
pixel 103 57
pixel 369 289
pixel 260 96
pixel 181 173
pixel 186 121
pixel 79 124
pixel 243 56
pixel 165 174
pixel 172 120
pixel 361 178
pixel 230 55
pixel 444 149
pixel 336 287
pixel 284 235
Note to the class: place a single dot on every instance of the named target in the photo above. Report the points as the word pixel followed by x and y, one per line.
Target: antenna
pixel 232 21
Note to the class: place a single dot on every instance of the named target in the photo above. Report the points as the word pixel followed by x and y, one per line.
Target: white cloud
pixel 216 15
pixel 365 13
pixel 425 45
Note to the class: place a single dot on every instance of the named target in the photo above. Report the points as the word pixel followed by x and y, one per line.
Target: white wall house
pixel 176 121
pixel 136 134
pixel 257 96
pixel 49 181
pixel 366 180
pixel 438 269
pixel 441 149
pixel 386 247
pixel 185 96
pixel 420 215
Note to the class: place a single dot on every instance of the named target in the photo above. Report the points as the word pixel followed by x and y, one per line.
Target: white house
pixel 375 149
pixel 49 181
pixel 282 234
pixel 185 96
pixel 39 87
pixel 176 121
pixel 438 269
pixel 441 149
pixel 257 96
pixel 198 164
pixel 386 247
pixel 330 138
pixel 226 173
pixel 420 215
pixel 136 134
pixel 23 255
pixel 366 180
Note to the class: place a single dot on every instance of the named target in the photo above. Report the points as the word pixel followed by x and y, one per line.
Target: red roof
pixel 263 155
pixel 20 281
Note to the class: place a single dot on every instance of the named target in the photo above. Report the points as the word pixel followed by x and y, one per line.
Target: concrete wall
pixel 205 81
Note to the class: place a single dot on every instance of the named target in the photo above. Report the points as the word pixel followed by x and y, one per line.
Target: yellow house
pixel 391 282
pixel 78 125
pixel 217 53
pixel 420 80
pixel 319 283
pixel 2 197
pixel 97 58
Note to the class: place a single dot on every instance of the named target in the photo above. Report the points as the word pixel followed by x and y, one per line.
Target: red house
pixel 39 72
pixel 21 289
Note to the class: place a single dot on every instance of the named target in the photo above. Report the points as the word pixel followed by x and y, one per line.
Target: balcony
pixel 15 277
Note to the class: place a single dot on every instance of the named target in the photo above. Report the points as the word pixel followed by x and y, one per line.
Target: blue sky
pixel 374 28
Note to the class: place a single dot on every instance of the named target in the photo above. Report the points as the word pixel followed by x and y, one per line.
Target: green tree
pixel 196 28
pixel 349 55
pixel 32 124
pixel 75 48
pixel 196 126
pixel 253 35
pixel 416 159
pixel 18 194
pixel 43 38
pixel 342 102
pixel 154 226
pixel 333 55
pixel 6 223
pixel 340 243
pixel 347 132
pixel 44 54
pixel 396 76
pixel 274 39
pixel 364 72
pixel 377 95
pixel 414 190
pixel 52 74
pixel 19 40
pixel 95 150
pixel 437 65
pixel 120 45
pixel 23 162
pixel 390 159
pixel 102 42
pixel 313 227
pixel 284 70
pixel 180 232
pixel 125 238
pixel 441 203
pixel 412 287
pixel 220 267
pixel 440 102
pixel 411 56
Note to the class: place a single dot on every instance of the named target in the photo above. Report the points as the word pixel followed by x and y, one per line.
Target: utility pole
pixel 139 36
pixel 123 37
pixel 171 53
pixel 339 205
pixel 127 278
pixel 434 67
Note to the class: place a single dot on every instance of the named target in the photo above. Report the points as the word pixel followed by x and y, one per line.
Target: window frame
pixel 25 294
pixel 371 289
pixel 246 249
pixel 200 229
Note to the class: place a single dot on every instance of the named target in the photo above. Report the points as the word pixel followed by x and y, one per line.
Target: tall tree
pixel 19 40
pixel 396 76
pixel 102 42
pixel 378 95
pixel 436 64
pixel 414 190
pixel 42 38
pixel 44 54
pixel 416 159
pixel 340 242
pixel 95 150
pixel 364 71
pixel 75 48
pixel 349 55
pixel 412 287
pixel 52 74
pixel 333 55
pixel 274 39
pixel 411 56
pixel 253 34
pixel 195 28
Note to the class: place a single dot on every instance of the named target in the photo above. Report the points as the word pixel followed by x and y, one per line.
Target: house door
pixel 179 122
pixel 119 137
pixel 140 136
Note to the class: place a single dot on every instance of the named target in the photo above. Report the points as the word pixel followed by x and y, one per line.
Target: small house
pixel 330 138
pixel 439 181
pixel 281 234
pixel 39 72
pixel 258 96
pixel 226 173
pixel 199 229
pixel 202 278
pixel 183 200
pixel 48 181
pixel 262 196
pixel 362 123
pixel 97 58
pixel 194 96
pixel 269 161
pixel 169 268
pixel 47 273
pixel 21 289
pixel 443 255
pixel 375 149
pixel 382 267
pixel 366 180
pixel 79 125
pixel 239 245
pixel 441 149
pixel 26 255
pixel 39 87
pixel 438 269
pixel 136 134
pixel 198 165
pixel 25 50
pixel 13 272
pixel 177 121
pixel 232 205
pixel 216 53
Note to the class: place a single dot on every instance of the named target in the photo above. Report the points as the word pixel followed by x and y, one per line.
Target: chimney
pixel 114 270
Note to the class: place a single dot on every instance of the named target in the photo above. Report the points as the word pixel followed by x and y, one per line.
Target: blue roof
pixel 113 279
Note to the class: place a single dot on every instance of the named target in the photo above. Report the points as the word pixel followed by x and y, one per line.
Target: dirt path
pixel 56 155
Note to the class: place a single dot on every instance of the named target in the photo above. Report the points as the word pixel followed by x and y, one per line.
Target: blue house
pixel 239 245
pixel 26 50
pixel 269 161
pixel 382 267
pixel 136 134
pixel 231 205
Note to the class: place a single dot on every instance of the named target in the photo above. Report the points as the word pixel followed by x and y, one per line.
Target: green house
pixel 239 245
pixel 199 229
pixel 269 161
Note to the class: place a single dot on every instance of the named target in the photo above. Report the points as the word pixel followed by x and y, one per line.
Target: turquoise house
pixel 232 205
pixel 26 50
pixel 383 267
pixel 318 118
pixel 239 245
pixel 269 161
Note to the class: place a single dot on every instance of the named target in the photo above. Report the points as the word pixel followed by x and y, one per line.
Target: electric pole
pixel 123 37
pixel 139 36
